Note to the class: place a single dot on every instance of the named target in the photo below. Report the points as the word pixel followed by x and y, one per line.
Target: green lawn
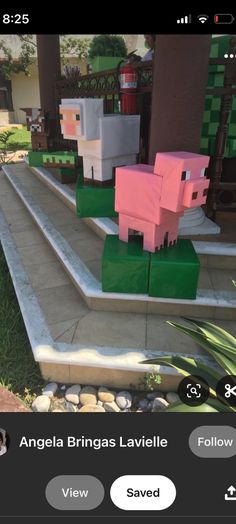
pixel 20 139
pixel 18 370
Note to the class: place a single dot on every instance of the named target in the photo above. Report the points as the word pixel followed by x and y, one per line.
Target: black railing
pixel 105 85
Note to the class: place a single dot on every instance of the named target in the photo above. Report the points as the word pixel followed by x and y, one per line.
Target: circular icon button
pixel 226 390
pixel 193 390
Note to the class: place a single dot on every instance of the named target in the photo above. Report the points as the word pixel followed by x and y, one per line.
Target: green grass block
pixel 92 201
pixel 174 271
pixel 36 158
pixel 60 157
pixel 125 266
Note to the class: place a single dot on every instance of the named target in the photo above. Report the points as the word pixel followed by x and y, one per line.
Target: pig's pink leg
pixel 123 227
pixel 149 237
pixel 173 230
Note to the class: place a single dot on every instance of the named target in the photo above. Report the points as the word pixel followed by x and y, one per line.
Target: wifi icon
pixel 203 18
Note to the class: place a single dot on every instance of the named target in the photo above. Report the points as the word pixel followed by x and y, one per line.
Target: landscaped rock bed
pixel 59 398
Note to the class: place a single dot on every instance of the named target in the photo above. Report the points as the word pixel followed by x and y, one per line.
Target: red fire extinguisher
pixel 128 81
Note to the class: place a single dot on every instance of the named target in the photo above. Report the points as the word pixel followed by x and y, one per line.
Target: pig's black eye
pixel 186 175
pixel 194 195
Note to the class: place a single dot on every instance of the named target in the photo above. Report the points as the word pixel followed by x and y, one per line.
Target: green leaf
pixel 220 406
pixel 209 347
pixel 209 406
pixel 223 360
pixel 183 408
pixel 213 332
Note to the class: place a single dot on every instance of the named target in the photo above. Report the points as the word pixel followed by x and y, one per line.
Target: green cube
pixel 93 201
pixel 60 158
pixel 36 158
pixel 125 266
pixel 174 271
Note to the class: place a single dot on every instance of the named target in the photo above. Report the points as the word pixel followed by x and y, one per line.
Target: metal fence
pixel 105 85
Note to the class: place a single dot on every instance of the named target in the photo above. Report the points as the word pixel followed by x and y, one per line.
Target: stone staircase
pixel 77 332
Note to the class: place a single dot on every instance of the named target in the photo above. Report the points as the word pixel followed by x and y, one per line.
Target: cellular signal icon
pixel 185 20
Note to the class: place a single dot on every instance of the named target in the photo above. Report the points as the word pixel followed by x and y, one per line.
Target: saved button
pixel 143 492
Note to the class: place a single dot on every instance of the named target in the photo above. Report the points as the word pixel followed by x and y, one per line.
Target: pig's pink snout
pixel 195 193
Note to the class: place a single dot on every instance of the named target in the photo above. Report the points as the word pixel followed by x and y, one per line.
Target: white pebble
pixel 50 389
pixel 72 394
pixel 41 404
pixel 172 397
pixel 124 399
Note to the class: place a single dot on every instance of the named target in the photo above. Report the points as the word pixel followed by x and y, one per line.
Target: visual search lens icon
pixel 193 390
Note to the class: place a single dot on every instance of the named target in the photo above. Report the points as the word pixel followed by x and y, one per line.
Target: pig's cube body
pixel 138 192
pixel 152 199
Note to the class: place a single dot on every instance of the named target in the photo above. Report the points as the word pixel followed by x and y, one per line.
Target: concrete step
pixel 218 255
pixel 71 341
pixel 79 250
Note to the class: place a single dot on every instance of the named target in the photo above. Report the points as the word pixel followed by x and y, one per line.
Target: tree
pixel 71 46
pixel 9 66
pixel 107 45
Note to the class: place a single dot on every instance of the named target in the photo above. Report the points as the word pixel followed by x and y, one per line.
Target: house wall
pixel 25 90
pixel 25 93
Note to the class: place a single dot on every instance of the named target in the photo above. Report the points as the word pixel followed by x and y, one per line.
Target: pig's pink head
pixel 71 119
pixel 183 179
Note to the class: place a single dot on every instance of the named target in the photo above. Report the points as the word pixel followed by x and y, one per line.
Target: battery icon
pixel 223 18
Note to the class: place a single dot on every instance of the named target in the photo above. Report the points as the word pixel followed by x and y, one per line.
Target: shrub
pixel 107 45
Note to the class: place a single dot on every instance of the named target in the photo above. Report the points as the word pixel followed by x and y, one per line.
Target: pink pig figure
pixel 151 199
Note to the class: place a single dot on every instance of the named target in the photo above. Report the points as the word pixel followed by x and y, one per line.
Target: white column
pixel 195 222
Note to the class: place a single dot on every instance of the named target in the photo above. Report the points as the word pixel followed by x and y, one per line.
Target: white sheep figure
pixel 104 141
